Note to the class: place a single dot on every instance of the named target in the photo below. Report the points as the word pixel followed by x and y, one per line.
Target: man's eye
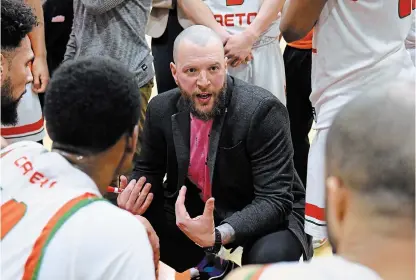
pixel 191 70
pixel 214 68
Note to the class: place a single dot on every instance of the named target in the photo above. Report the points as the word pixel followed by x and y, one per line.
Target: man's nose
pixel 203 80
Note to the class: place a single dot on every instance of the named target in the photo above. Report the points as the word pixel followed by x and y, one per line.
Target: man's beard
pixel 219 103
pixel 9 115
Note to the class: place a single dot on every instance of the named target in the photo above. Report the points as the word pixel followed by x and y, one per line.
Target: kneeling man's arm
pixel 271 155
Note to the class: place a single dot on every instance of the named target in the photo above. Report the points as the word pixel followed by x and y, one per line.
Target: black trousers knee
pixel 279 246
pixel 162 50
pixel 298 66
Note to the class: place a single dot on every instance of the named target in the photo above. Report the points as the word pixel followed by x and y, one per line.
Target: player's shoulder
pixel 323 268
pixel 22 146
pixel 102 215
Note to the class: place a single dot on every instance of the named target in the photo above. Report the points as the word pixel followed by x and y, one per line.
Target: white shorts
pixel 266 70
pixel 315 223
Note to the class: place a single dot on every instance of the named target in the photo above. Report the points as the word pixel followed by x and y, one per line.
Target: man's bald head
pixel 196 34
pixel 371 149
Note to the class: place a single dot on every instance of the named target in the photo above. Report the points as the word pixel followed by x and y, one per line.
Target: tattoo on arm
pixel 227 233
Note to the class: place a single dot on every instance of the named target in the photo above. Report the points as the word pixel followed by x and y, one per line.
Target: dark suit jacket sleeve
pixel 271 154
pixel 152 160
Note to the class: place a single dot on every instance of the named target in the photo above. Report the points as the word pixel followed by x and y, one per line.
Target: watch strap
pixel 217 244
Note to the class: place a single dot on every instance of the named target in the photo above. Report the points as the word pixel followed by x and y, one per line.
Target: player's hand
pixel 154 242
pixel 201 229
pixel 40 74
pixel 135 198
pixel 238 48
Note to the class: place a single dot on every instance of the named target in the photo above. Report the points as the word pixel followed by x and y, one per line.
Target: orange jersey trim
pixel 304 43
pixel 33 263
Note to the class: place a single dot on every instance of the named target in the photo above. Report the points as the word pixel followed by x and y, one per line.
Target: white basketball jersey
pixel 33 196
pixel 357 46
pixel 42 237
pixel 234 15
pixel 30 120
pixel 410 42
pixel 323 268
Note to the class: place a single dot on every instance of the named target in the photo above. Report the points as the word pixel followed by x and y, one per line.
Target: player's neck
pixel 391 257
pixel 96 167
pixel 101 174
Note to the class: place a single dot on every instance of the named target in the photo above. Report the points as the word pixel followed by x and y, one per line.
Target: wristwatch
pixel 217 244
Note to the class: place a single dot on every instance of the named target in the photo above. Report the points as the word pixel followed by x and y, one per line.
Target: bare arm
pixel 267 14
pixel 100 6
pixel 299 17
pixel 40 70
pixel 37 36
pixel 198 12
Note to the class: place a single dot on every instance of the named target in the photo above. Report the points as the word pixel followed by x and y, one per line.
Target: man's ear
pixel 174 72
pixel 131 144
pixel 336 204
pixel 225 63
pixel 3 67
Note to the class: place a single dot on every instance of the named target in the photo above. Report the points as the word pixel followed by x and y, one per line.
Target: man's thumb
pixel 209 206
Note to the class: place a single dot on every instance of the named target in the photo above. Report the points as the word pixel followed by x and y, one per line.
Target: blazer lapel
pixel 181 125
pixel 213 143
pixel 216 130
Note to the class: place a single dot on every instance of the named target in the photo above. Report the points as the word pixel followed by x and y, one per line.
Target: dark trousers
pixel 179 252
pixel 162 50
pixel 298 66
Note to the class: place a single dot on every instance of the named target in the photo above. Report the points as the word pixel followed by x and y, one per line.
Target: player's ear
pixel 336 203
pixel 3 67
pixel 131 140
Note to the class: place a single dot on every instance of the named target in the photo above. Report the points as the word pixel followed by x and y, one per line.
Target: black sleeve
pixel 151 163
pixel 271 155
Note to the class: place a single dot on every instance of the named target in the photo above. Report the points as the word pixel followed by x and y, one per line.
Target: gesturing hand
pixel 201 229
pixel 40 74
pixel 154 242
pixel 134 197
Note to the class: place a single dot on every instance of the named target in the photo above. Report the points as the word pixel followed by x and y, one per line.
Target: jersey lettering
pixel 11 214
pixel 235 19
pixel 234 2
pixel 406 7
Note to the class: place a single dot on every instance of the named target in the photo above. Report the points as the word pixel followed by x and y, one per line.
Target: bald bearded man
pixel 226 140
pixel 370 193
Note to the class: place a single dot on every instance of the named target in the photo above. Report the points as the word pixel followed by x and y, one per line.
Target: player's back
pixel 55 224
pixel 357 45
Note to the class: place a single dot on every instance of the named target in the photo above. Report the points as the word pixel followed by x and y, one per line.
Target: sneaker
pixel 213 267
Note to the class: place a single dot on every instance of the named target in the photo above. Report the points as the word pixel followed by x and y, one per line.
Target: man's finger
pixel 180 209
pixel 44 83
pixel 146 204
pixel 135 194
pixel 124 196
pixel 36 82
pixel 142 197
pixel 123 182
pixel 209 207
